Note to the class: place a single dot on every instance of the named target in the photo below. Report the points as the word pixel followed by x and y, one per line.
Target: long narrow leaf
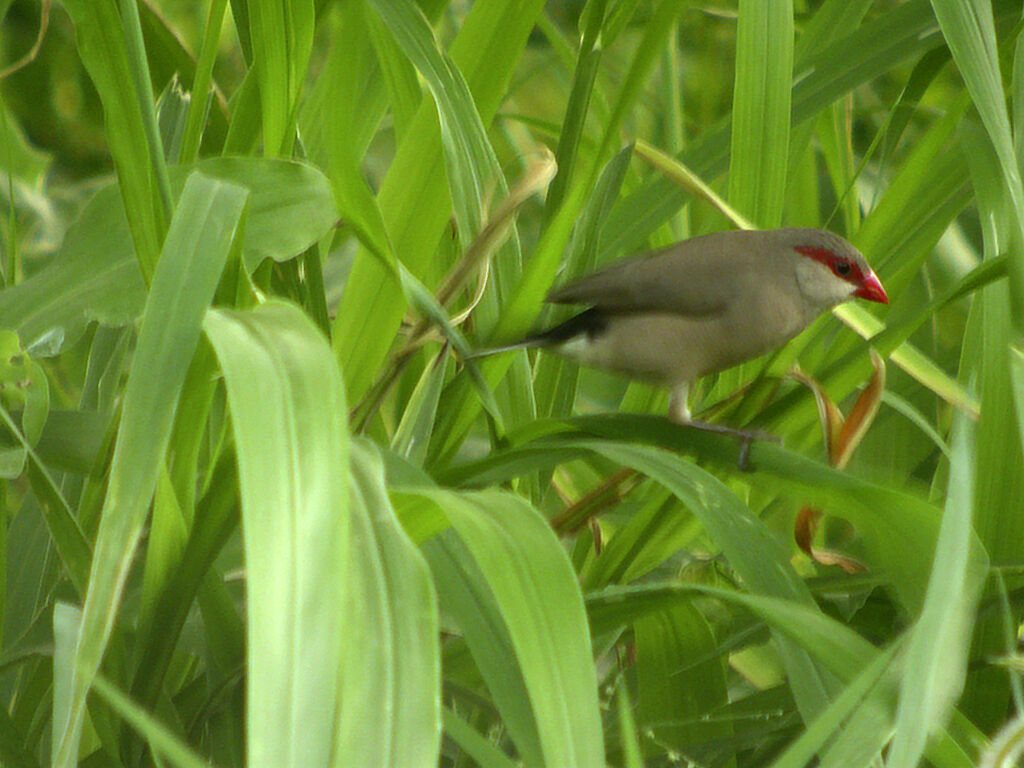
pixel 207 224
pixel 939 647
pixel 104 50
pixel 288 412
pixel 760 116
pixel 413 198
pixel 529 583
pixel 392 667
pixel 282 39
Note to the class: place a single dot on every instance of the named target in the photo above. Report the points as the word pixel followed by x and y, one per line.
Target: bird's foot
pixel 746 438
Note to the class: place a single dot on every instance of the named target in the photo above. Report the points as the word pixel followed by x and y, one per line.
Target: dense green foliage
pixel 262 507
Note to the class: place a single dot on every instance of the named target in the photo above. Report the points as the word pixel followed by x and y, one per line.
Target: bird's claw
pixel 746 438
pixel 743 461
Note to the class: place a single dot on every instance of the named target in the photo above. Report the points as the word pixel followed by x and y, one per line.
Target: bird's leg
pixel 679 404
pixel 679 413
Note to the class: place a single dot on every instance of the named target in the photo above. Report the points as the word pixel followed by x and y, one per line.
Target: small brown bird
pixel 705 304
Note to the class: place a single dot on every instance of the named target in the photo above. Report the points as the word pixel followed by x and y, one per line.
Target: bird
pixel 703 305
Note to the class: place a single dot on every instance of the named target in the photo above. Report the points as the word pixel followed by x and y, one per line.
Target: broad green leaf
pixel 23 387
pixel 680 677
pixel 536 622
pixel 899 546
pixel 288 414
pixel 94 275
pixel 206 225
pixel 290 204
pixel 67 536
pixel 391 671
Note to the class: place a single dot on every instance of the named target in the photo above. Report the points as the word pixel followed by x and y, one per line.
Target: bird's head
pixel 830 270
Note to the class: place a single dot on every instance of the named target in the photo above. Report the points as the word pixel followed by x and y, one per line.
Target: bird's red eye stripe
pixel 852 272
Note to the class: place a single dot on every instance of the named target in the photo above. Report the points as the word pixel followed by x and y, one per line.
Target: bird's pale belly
pixel 669 349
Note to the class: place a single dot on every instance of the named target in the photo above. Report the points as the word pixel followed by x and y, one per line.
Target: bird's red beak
pixel 871 289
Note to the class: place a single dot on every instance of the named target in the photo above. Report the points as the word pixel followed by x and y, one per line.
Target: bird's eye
pixel 842 268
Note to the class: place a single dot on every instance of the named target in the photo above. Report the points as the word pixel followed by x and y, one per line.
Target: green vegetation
pixel 263 508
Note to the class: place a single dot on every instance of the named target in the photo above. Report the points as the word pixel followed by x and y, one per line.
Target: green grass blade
pixel 71 544
pixel 131 25
pixel 761 110
pixel 290 424
pixel 200 93
pixel 104 50
pixel 161 740
pixel 899 546
pixel 282 39
pixel 216 517
pixel 836 647
pixel 746 543
pixel 469 159
pixel 413 198
pixel 392 668
pixel 412 437
pixel 803 751
pixel 96 278
pixel 999 485
pixel 587 60
pixel 898 35
pixel 473 744
pixel 937 653
pixel 680 676
pixel 465 597
pixel 529 581
pixel 206 225
pixel 969 29
pixel 632 755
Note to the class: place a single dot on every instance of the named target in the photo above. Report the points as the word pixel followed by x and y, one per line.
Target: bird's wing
pixel 690 279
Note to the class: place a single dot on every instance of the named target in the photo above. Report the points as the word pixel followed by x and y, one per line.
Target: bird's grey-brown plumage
pixel 696 277
pixel 706 304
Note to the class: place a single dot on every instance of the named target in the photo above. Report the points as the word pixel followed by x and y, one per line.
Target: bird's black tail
pixel 590 322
